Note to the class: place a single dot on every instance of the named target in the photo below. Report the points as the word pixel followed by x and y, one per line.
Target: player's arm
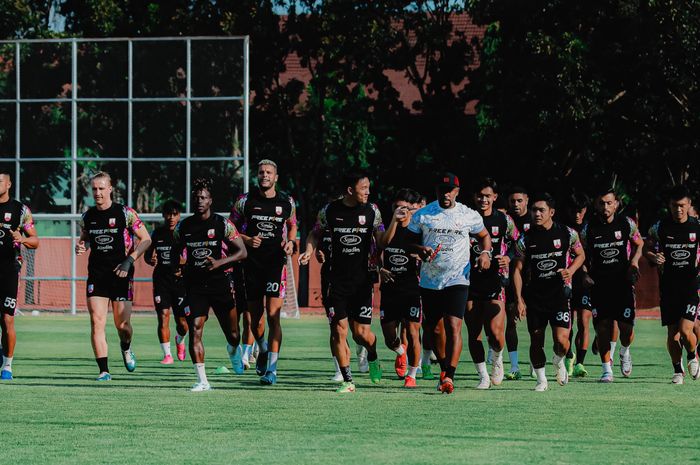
pixel 486 254
pixel 399 214
pixel 290 243
pixel 378 227
pixel 314 236
pixel 576 250
pixel 82 244
pixel 638 242
pixel 234 241
pixel 518 266
pixel 237 217
pixel 149 254
pixel 134 223
pixel 26 233
pixel 511 237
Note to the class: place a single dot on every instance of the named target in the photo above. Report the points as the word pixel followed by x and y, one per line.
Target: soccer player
pixel 576 208
pixel 518 201
pixel 352 222
pixel 672 245
pixel 609 239
pixel 442 230
pixel 16 230
pixel 486 303
pixel 549 254
pixel 168 289
pixel 108 229
pixel 210 244
pixel 267 221
pixel 401 304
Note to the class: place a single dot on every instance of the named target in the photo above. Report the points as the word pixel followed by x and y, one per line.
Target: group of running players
pixel 439 264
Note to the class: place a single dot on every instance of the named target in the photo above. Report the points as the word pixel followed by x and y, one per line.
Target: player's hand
pixel 152 260
pixel 122 270
pixel 503 261
pixel 320 256
pixel 633 274
pixel 522 310
pixel 484 261
pixel 401 213
pixel 425 252
pixel 304 258
pixel 289 248
pixel 80 247
pixel 254 242
pixel 386 275
pixel 566 274
pixel 213 264
pixel 17 237
pixel 658 258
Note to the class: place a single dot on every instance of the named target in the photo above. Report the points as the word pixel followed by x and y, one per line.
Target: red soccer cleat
pixel 409 382
pixel 401 364
pixel 447 386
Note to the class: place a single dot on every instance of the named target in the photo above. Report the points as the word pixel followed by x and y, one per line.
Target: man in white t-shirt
pixel 443 228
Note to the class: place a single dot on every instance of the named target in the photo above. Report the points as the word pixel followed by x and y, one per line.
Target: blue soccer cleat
pixel 129 360
pixel 104 377
pixel 6 375
pixel 269 379
pixel 261 364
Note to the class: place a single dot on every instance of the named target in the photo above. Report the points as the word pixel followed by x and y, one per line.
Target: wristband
pixel 487 252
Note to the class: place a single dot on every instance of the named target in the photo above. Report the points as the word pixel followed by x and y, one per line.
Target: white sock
pixel 613 344
pixel 179 339
pixel 166 349
pixel 425 359
pixel 498 355
pixel 558 361
pixel 272 361
pixel 607 367
pixel 337 367
pixel 541 375
pixel 7 363
pixel 513 356
pixel 247 350
pixel 412 371
pixel 481 369
pixel 201 374
pixel 400 350
pixel 624 350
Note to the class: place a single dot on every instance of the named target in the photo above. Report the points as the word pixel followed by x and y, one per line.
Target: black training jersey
pixel 545 251
pixel 352 230
pixel 609 246
pixel 200 240
pixel 402 266
pixel 14 216
pixel 679 244
pixel 324 245
pixel 110 233
pixel 523 223
pixel 256 215
pixel 504 234
pixel 167 264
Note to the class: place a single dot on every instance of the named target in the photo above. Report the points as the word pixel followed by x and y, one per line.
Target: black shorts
pixel 9 283
pixel 450 301
pixel 237 275
pixel 613 301
pixel 677 304
pixel 110 286
pixel 581 299
pixel 218 297
pixel 170 293
pixel 269 280
pixel 356 306
pixel 540 314
pixel 477 295
pixel 397 307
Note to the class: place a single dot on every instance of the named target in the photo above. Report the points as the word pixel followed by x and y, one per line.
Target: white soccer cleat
pixel 201 387
pixel 497 371
pixel 694 368
pixel 484 383
pixel 562 374
pixel 677 378
pixel 626 364
pixel 362 359
pixel 337 377
pixel 541 387
pixel 607 377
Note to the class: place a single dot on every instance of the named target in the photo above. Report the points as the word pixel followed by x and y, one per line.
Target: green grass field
pixel 54 413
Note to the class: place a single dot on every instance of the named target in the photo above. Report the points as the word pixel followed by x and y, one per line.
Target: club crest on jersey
pixel 526 226
pixel 494 230
pixel 557 243
pixel 278 210
pixel 210 234
pixel 692 237
pixel 157 299
pixel 112 222
pixel 8 216
pixel 362 219
pixel 91 288
pixel 618 235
